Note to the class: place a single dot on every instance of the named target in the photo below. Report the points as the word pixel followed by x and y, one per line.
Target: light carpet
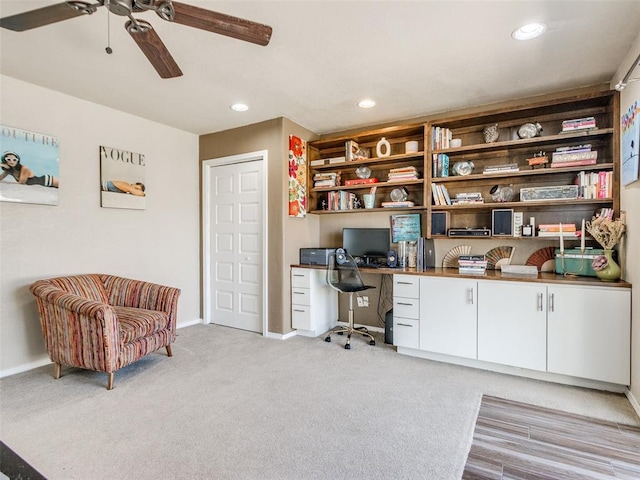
pixel 234 405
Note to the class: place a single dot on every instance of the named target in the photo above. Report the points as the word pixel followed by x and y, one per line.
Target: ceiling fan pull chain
pixel 109 50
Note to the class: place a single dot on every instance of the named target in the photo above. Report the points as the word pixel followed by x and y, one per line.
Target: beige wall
pixel 629 201
pixel 159 244
pixel 285 235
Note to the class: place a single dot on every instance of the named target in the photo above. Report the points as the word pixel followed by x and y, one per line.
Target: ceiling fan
pixel 141 31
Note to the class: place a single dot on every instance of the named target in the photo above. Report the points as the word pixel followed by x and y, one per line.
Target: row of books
pixel 341 200
pixel 595 185
pixel 440 194
pixel 573 156
pixel 440 166
pixel 402 174
pixel 474 264
pixel 440 138
pixel 578 124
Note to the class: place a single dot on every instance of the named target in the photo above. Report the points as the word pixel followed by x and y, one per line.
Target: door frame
pixel 207 165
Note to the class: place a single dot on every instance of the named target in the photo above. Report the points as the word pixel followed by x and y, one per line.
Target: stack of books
pixel 404 204
pixel 440 165
pixel 440 138
pixel 578 124
pixel 464 198
pixel 509 167
pixel 402 174
pixel 595 184
pixel 573 156
pixel 475 264
pixel 328 179
pixel 554 229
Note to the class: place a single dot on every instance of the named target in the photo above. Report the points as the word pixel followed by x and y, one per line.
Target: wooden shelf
pixel 468 125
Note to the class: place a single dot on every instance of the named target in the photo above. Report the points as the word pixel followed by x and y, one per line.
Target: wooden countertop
pixel 543 277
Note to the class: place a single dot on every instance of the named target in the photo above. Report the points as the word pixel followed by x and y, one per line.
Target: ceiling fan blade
pixel 220 23
pixel 153 48
pixel 46 16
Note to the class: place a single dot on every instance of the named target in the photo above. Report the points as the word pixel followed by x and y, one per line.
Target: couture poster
pixel 30 167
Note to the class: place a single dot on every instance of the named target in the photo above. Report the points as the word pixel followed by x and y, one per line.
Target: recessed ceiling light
pixel 366 103
pixel 239 107
pixel 529 31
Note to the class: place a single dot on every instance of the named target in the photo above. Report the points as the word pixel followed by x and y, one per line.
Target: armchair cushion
pixel 137 323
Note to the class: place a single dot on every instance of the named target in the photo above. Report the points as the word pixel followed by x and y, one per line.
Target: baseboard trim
pixel 25 367
pixel 633 401
pixel 281 336
pixel 520 372
pixel 189 323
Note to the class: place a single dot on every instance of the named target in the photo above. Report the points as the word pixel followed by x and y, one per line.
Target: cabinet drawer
pixel 301 277
pixel 406 332
pixel 406 307
pixel 406 286
pixel 301 317
pixel 300 296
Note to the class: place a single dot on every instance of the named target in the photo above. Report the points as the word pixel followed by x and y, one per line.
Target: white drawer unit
pixel 406 311
pixel 314 304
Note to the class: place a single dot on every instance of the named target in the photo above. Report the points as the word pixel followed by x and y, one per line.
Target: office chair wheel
pixel 372 342
pixel 327 338
pixel 347 346
pixel 340 333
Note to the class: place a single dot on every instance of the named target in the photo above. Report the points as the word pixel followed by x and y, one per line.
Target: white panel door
pixel 235 257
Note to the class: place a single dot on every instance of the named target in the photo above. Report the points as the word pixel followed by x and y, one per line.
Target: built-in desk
pixel 574 330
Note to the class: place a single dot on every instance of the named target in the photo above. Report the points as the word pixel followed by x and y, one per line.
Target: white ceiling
pixel 413 57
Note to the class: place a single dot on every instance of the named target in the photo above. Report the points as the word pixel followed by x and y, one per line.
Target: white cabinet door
pixel 589 332
pixel 448 316
pixel 512 324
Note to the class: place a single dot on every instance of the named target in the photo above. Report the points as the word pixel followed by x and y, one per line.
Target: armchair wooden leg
pixel 57 369
pixel 110 376
pixel 169 352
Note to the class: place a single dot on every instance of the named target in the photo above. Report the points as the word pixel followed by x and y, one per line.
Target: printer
pixel 315 256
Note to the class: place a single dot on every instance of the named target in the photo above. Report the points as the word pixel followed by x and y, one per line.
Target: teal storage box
pixel 574 262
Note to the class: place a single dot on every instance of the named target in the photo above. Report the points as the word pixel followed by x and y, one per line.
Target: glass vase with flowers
pixel 607 232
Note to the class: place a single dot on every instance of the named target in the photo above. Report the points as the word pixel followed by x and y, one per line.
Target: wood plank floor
pixel 516 441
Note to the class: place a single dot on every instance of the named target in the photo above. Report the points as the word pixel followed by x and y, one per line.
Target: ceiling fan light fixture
pixel 366 103
pixel 239 107
pixel 529 31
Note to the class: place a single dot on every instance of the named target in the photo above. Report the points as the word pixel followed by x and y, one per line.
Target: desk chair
pixel 343 275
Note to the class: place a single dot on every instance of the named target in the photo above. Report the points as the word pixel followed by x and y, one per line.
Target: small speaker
pixel 392 259
pixel 429 253
pixel 502 222
pixel 341 256
pixel 439 223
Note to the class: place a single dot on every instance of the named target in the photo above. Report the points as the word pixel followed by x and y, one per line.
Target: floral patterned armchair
pixel 104 322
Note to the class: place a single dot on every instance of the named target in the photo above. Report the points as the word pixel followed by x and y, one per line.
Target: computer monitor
pixel 366 244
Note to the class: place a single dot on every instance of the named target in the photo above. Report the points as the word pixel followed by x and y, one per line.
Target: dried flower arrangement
pixel 605 230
